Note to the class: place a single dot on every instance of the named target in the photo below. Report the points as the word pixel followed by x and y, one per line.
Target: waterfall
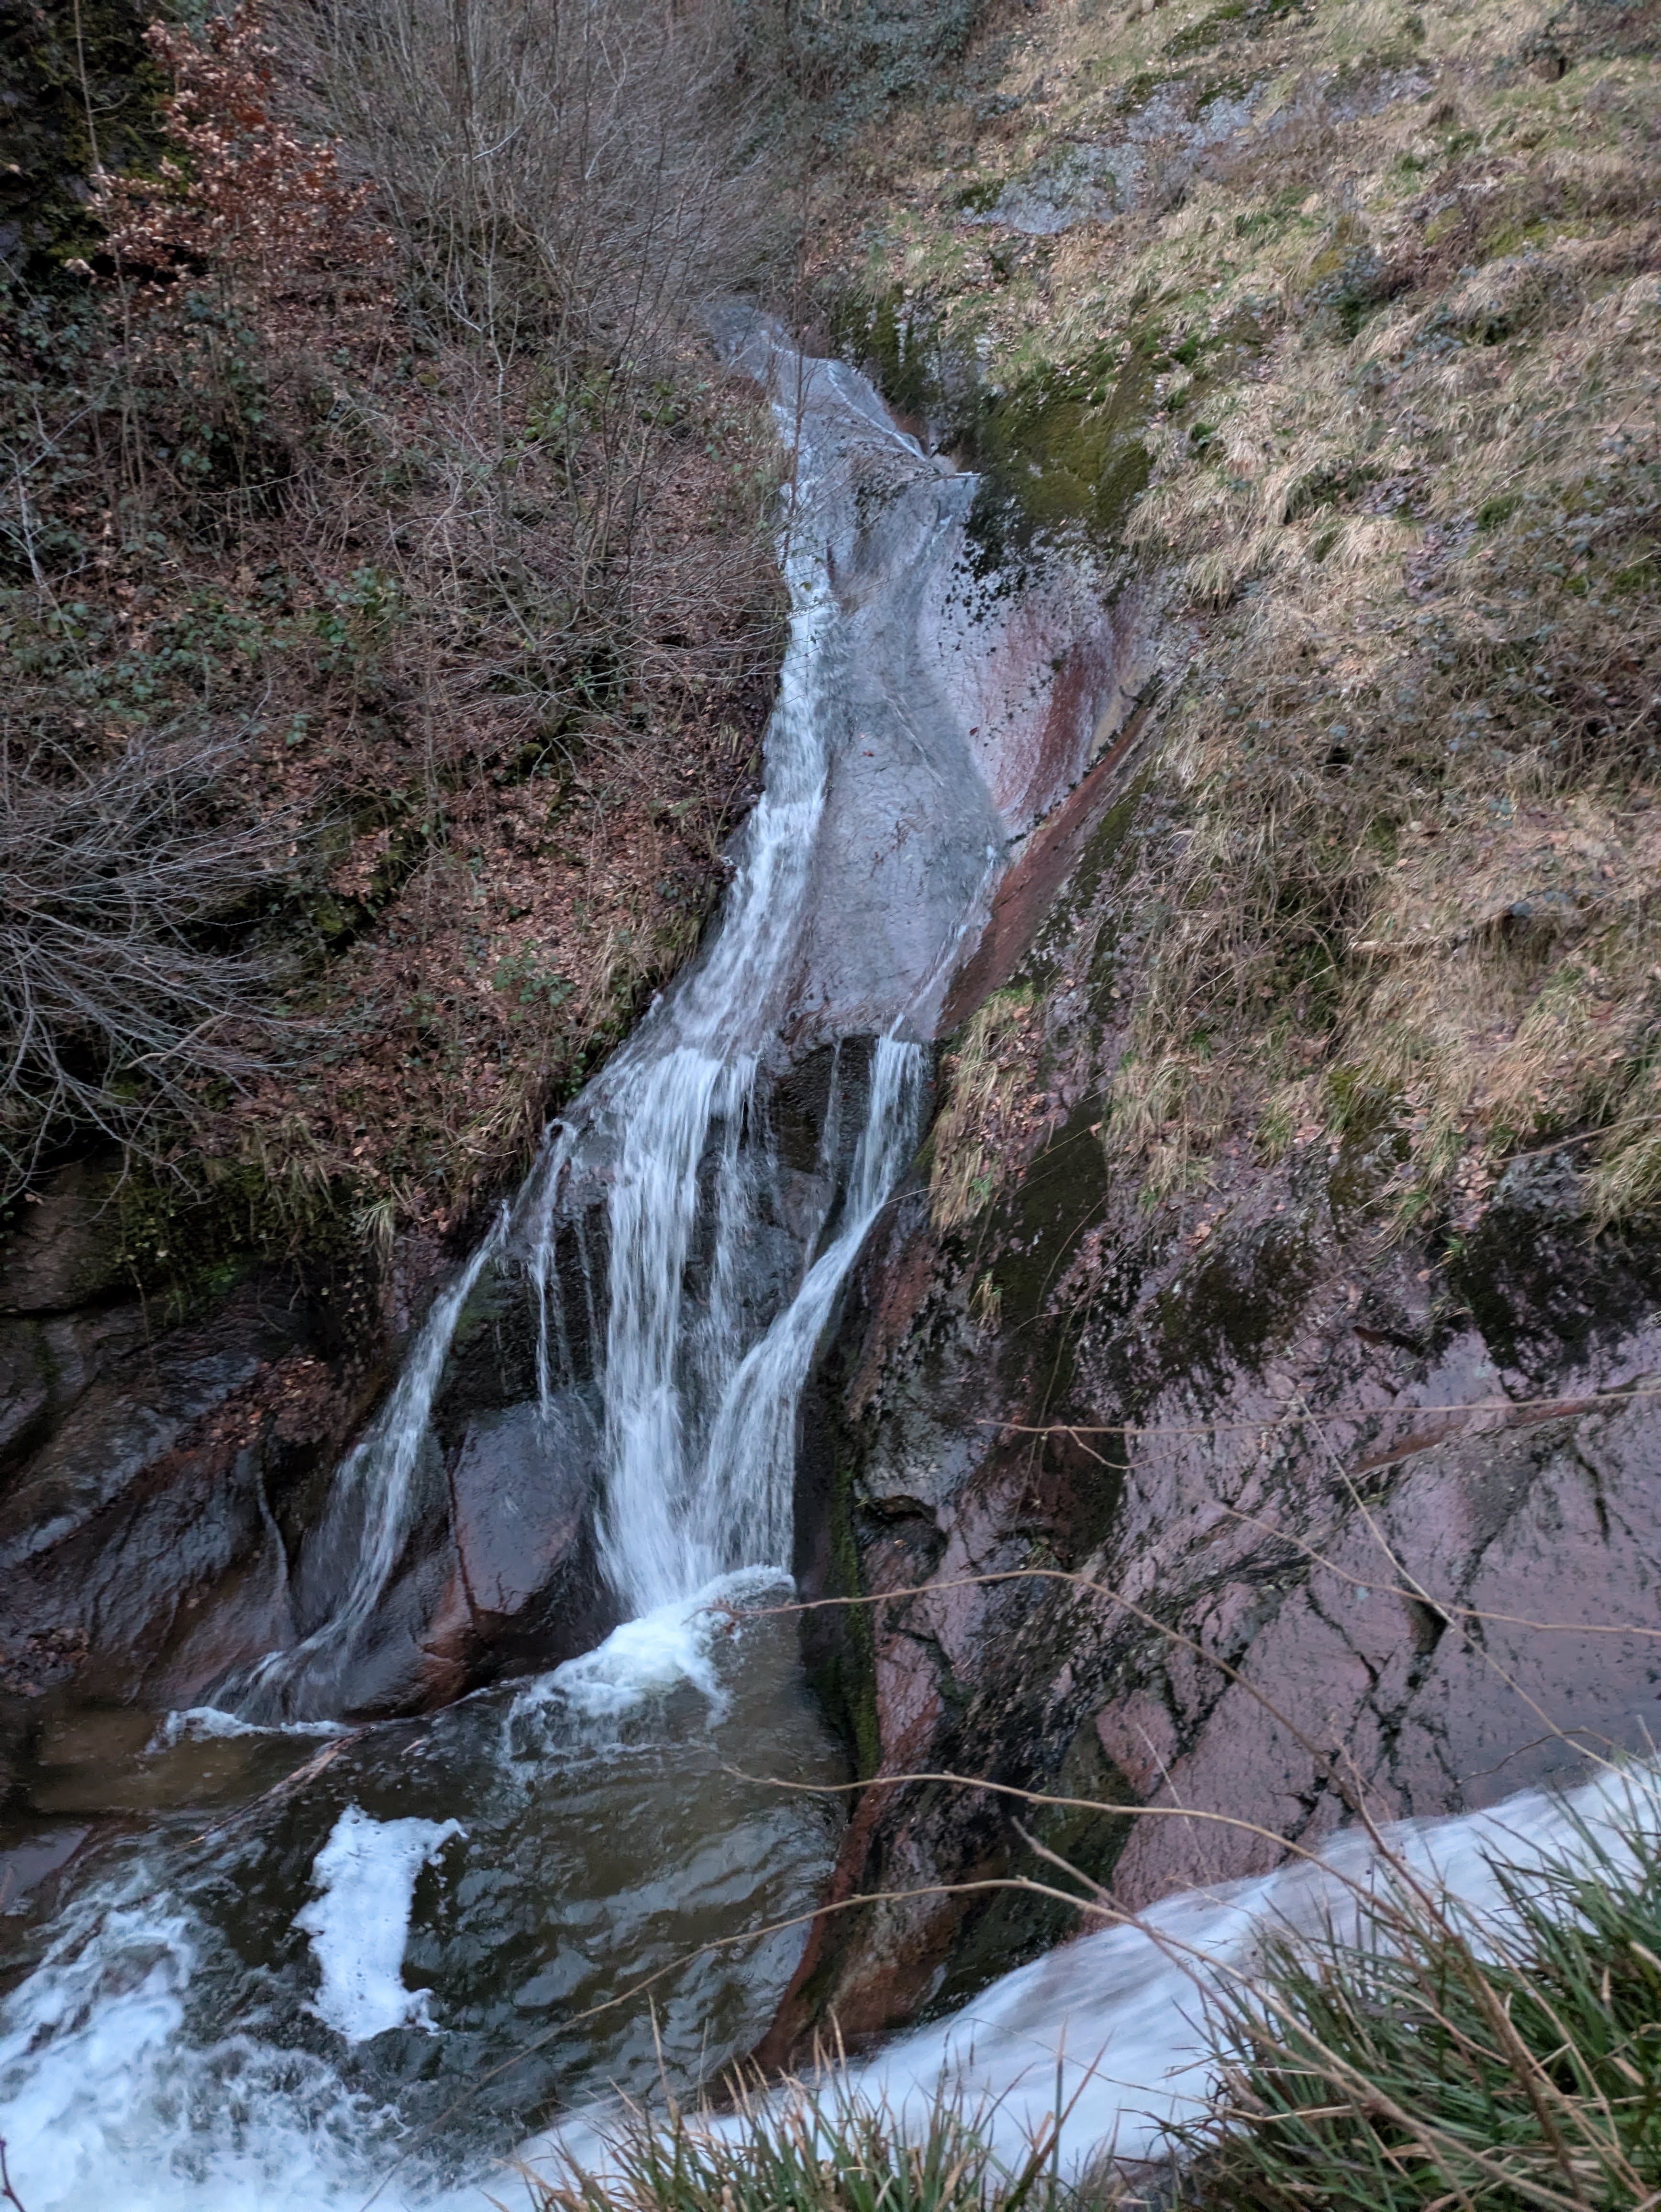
pixel 699 1394
pixel 699 1471
pixel 752 1449
pixel 250 2009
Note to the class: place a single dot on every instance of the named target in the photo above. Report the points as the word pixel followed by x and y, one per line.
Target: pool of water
pixel 280 1971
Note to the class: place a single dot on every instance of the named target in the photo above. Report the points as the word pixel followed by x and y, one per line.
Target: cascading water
pixel 1109 2033
pixel 698 1415
pixel 374 1491
pixel 189 2035
pixel 277 1988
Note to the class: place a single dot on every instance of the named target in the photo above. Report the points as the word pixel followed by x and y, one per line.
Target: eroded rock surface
pixel 162 1480
pixel 1362 1524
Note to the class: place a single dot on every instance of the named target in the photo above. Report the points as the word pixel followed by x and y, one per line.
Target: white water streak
pixel 751 1460
pixel 380 1469
pixel 359 1923
pixel 550 1308
pixel 699 1429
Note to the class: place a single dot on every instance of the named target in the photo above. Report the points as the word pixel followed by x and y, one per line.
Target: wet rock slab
pixel 1320 1584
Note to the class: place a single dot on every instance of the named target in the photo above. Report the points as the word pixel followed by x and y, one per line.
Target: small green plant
pixel 812 2147
pixel 521 977
pixel 1432 2062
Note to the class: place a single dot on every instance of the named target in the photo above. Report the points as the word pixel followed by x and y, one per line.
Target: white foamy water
pixel 645 1657
pixel 292 2018
pixel 207 1724
pixel 104 2099
pixel 1108 2029
pixel 359 1923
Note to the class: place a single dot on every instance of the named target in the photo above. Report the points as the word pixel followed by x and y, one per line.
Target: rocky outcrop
pixel 162 1478
pixel 1239 1507
pixel 157 1466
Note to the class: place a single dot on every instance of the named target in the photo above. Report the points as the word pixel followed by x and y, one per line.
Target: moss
pixel 1348 279
pixel 844 1667
pixel 188 1239
pixel 1249 14
pixel 894 342
pixel 1037 1231
pixel 1229 1308
pixel 1359 1108
pixel 1059 453
pixel 1500 509
pixel 66 74
pixel 1543 1293
pixel 977 198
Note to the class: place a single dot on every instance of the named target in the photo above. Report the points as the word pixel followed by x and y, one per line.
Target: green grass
pixel 1418 2068
pixel 818 2148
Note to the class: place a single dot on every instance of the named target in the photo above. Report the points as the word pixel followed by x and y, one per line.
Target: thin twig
pixel 7 2191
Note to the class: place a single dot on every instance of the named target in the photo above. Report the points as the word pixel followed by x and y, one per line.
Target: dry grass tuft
pixel 990 1108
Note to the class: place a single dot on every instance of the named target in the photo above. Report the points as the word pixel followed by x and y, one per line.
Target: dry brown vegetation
pixel 404 521
pixel 1392 343
pixel 990 1112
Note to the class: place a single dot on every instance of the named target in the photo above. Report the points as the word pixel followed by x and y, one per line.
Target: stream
pixel 301 1953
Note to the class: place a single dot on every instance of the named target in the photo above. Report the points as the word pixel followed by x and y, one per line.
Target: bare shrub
pixel 435 467
pixel 114 1002
pixel 568 182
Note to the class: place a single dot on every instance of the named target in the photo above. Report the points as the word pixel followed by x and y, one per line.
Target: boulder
pixel 522 1489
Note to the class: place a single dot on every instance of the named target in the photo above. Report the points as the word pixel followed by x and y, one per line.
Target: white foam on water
pixel 648 1657
pixel 359 1922
pixel 76 2035
pixel 104 2101
pixel 204 1724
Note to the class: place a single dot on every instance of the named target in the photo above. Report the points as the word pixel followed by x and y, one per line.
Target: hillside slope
pixel 1285 1263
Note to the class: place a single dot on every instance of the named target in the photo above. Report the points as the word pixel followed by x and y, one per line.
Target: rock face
pixel 162 1481
pixel 1296 1520
pixel 524 1577
pixel 153 1473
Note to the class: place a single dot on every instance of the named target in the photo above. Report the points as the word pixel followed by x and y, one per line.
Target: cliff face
pixel 1275 1302
pixel 1298 1521
pixel 159 1464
